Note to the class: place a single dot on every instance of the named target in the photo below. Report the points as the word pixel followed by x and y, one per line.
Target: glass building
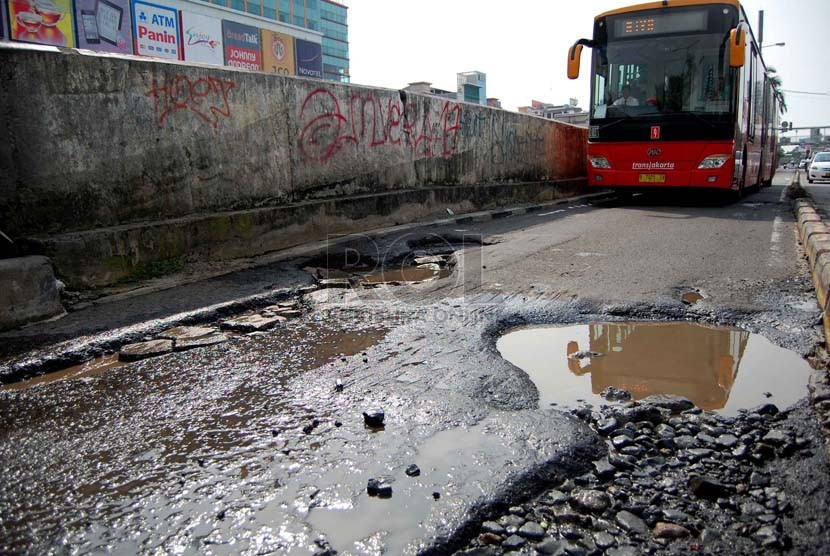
pixel 325 16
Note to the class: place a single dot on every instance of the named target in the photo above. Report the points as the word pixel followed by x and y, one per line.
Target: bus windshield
pixel 665 75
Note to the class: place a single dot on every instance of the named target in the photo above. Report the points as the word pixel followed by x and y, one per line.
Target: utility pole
pixel 760 28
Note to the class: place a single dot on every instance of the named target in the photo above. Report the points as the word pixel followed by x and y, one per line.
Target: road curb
pixel 815 238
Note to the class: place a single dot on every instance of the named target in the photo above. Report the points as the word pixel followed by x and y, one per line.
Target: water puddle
pixel 408 269
pixel 90 368
pixel 722 369
pixel 405 274
pixel 445 460
pixel 690 298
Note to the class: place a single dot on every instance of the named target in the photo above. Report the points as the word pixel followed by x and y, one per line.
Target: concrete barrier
pixel 29 293
pixel 116 163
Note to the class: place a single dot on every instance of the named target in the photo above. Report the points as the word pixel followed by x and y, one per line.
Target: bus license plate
pixel 652 178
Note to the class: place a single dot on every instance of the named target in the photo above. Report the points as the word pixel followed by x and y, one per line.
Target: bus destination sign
pixel 686 21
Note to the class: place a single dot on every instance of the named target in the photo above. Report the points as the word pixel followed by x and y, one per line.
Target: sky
pixel 522 46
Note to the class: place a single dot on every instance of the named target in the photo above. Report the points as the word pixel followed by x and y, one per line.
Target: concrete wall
pixel 99 146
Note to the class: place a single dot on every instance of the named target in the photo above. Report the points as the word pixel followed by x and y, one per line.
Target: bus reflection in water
pixel 694 361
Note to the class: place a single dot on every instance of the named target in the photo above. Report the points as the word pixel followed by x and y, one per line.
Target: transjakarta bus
pixel 680 97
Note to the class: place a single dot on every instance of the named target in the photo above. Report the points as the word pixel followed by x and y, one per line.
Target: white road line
pixel 549 213
pixel 783 194
pixel 775 242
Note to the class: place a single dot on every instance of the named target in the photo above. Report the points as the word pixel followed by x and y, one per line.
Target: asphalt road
pixel 251 445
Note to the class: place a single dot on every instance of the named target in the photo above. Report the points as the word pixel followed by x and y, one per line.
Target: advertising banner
pixel 309 59
pixel 3 33
pixel 241 45
pixel 156 31
pixel 277 52
pixel 42 22
pixel 104 25
pixel 202 38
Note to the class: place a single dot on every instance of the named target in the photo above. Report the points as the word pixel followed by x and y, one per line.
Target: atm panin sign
pixel 156 31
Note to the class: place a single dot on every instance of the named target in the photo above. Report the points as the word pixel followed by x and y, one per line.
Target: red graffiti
pixel 374 123
pixel 206 97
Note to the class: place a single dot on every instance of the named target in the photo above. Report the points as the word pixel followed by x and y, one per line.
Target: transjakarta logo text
pixel 652 166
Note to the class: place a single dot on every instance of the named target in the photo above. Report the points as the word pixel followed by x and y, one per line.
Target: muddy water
pixel 89 369
pixel 405 274
pixel 721 369
pixel 690 298
pixel 155 453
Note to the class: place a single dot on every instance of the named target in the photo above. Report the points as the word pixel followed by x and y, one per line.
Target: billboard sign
pixel 309 59
pixel 104 25
pixel 202 38
pixel 42 22
pixel 277 52
pixel 156 31
pixel 3 33
pixel 241 45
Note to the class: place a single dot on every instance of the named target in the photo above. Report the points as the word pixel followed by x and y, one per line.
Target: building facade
pixel 324 16
pixel 472 87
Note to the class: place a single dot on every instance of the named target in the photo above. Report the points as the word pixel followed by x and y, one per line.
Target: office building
pixel 324 16
pixel 472 87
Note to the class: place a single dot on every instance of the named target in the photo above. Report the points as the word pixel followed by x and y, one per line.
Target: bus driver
pixel 626 99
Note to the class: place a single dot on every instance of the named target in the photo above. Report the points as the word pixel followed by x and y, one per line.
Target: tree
pixel 776 82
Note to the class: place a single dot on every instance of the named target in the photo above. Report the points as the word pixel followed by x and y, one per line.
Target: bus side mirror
pixel 574 55
pixel 737 47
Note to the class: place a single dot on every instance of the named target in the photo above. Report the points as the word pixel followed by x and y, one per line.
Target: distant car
pixel 819 168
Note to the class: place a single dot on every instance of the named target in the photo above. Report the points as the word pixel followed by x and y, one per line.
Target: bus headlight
pixel 714 161
pixel 599 162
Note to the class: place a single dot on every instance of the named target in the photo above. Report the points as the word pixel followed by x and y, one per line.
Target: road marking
pixel 783 194
pixel 775 242
pixel 554 212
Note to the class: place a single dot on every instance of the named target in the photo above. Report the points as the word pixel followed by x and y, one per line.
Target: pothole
pixel 718 368
pixel 410 268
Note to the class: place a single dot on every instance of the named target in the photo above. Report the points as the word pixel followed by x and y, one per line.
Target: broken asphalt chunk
pixel 252 323
pixel 143 350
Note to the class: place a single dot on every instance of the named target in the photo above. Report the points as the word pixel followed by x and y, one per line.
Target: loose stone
pixel 532 530
pixel 726 441
pixel 413 470
pixel 374 418
pixel 379 487
pixel 710 489
pixel 492 527
pixel 631 522
pixel 670 531
pixel 514 542
pixel 591 501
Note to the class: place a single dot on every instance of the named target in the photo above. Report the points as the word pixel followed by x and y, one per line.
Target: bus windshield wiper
pixel 615 122
pixel 697 115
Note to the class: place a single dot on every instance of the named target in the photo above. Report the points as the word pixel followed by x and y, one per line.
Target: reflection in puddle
pixel 717 368
pixel 405 274
pixel 90 368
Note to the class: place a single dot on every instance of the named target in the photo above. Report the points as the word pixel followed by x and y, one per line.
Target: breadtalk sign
pixel 242 47
pixel 156 31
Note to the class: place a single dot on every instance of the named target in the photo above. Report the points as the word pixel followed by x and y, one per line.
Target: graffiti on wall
pixel 374 122
pixel 206 97
pixel 511 143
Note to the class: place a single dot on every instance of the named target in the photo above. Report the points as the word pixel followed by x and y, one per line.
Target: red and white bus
pixel 680 97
